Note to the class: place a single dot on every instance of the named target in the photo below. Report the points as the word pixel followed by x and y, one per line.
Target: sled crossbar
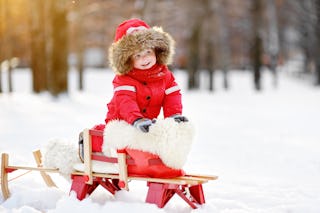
pixel 13 168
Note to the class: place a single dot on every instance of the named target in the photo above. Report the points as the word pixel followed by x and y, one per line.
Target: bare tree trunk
pixel 193 77
pixel 210 63
pixel 80 64
pixel 80 44
pixel 317 36
pixel 224 43
pixel 257 44
pixel 1 80
pixel 209 58
pixel 307 32
pixel 8 42
pixel 257 52
pixel 38 46
pixel 273 39
pixel 1 40
pixel 59 51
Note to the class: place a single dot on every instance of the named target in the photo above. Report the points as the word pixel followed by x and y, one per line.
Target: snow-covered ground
pixel 264 146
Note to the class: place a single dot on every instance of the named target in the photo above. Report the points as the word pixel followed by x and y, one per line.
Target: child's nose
pixel 144 56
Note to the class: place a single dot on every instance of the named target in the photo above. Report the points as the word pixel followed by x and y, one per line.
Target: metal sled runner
pixel 160 190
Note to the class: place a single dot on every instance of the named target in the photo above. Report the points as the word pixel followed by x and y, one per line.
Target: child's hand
pixel 143 124
pixel 179 118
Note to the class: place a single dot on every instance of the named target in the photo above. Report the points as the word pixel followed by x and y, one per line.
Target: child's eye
pixel 137 56
pixel 149 51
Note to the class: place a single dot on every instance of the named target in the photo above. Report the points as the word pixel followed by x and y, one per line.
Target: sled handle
pixel 4 176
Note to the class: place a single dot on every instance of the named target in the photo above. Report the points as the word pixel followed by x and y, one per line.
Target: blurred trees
pixel 1 41
pixel 196 11
pixel 317 44
pixel 39 65
pixel 49 49
pixel 256 52
pixel 211 35
pixel 305 18
pixel 6 51
pixel 223 40
pixel 79 41
pixel 58 69
pixel 273 41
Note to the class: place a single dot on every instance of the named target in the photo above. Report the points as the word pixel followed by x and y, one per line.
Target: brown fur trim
pixel 120 52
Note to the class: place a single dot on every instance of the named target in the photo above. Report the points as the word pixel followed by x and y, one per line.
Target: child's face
pixel 144 59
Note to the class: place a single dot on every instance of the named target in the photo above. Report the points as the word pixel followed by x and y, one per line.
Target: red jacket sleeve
pixel 124 102
pixel 128 107
pixel 172 102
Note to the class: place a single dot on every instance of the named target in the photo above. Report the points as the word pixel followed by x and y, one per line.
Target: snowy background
pixel 264 146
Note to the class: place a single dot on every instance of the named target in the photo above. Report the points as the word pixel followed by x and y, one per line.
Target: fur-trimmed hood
pixel 155 38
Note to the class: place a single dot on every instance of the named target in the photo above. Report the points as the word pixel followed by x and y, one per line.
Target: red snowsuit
pixel 142 94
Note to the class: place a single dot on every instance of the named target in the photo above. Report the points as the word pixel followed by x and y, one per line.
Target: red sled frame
pixel 160 190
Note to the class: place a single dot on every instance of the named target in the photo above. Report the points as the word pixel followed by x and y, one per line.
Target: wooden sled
pixel 160 190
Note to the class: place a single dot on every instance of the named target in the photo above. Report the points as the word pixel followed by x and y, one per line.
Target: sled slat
pixel 4 176
pixel 123 172
pixel 33 168
pixel 47 179
pixel 178 180
pixel 209 177
pixel 201 177
pixel 102 175
pixel 87 155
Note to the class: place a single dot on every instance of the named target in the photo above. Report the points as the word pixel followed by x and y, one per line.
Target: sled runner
pixel 160 189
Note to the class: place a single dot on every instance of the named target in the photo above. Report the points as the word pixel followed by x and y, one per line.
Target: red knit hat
pixel 130 26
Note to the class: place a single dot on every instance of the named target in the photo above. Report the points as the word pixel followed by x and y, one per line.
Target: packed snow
pixel 264 146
